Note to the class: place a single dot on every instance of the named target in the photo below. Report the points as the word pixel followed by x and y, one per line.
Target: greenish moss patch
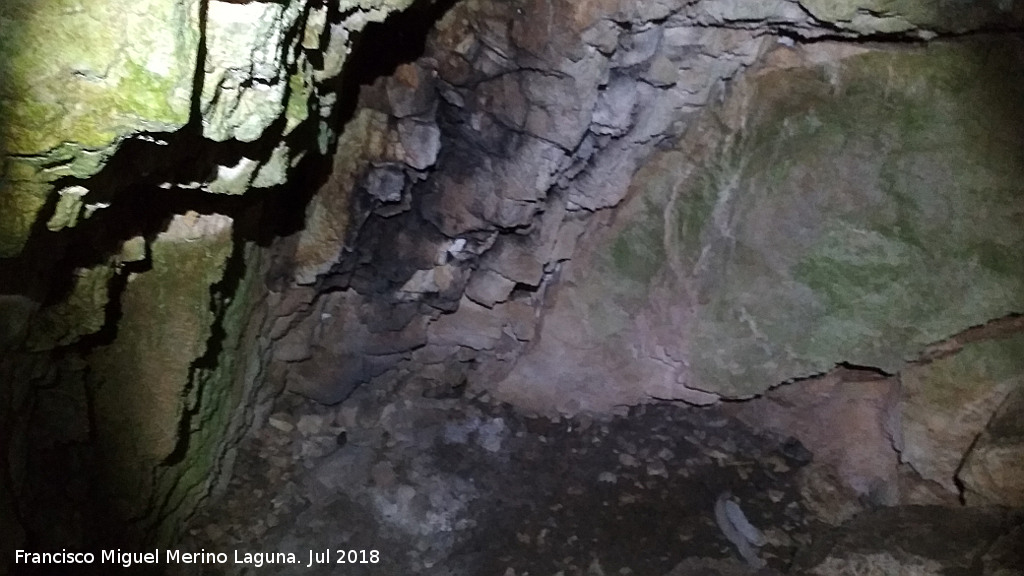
pixel 867 207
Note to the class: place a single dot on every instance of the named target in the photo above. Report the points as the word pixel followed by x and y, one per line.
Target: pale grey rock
pixel 245 72
pixel 662 72
pixel 565 243
pixel 505 99
pixel 734 345
pixel 433 281
pixel 274 172
pixel 385 183
pixel 421 142
pixel 515 258
pixel 739 11
pixel 614 113
pixel 603 35
pixel 653 10
pixel 235 179
pixel 529 175
pixel 487 288
pixel 554 117
pixel 607 183
pixel 472 326
pixel 739 520
pixel 335 52
pixel 738 530
pixel 281 421
pixel 491 434
pixel 310 424
pixel 637 47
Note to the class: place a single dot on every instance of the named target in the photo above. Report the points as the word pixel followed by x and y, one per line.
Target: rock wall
pixel 145 149
pixel 569 206
pixel 580 207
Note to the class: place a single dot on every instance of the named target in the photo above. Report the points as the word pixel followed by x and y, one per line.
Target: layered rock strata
pixel 577 208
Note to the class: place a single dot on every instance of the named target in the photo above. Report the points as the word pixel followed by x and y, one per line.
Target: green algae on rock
pixel 894 16
pixel 865 224
pixel 859 211
pixel 121 68
pixel 145 376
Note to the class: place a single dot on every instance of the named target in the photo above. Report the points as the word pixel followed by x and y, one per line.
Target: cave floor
pixel 458 486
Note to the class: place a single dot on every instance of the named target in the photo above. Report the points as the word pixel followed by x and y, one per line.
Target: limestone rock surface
pixel 809 237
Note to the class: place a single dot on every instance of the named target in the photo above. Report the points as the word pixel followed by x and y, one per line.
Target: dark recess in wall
pixel 139 206
pixel 382 47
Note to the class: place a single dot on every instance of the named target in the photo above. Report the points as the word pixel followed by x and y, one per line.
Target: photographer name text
pixel 256 559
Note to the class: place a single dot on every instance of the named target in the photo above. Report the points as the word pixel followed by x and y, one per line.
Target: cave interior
pixel 512 287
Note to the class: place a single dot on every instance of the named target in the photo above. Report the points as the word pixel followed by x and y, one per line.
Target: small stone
pixel 310 424
pixel 281 421
pixel 491 434
pixel 657 468
pixel 607 477
pixel 662 72
pixel 627 460
pixel 487 288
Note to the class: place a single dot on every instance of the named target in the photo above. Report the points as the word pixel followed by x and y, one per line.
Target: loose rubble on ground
pixel 444 482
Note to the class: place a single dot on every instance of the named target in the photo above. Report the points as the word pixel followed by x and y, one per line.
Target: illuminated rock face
pixel 826 214
pixel 635 231
pixel 126 285
pixel 633 203
pixel 75 82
